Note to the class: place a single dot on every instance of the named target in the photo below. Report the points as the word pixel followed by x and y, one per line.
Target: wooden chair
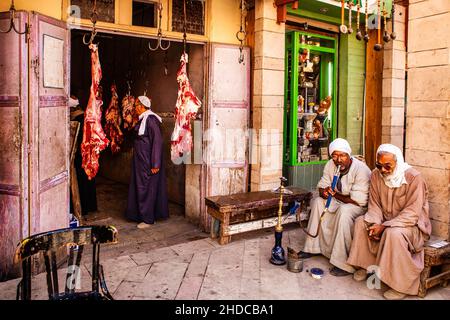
pixel 436 268
pixel 48 243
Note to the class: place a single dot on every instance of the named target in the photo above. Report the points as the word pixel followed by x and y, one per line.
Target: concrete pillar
pixel 428 105
pixel 268 98
pixel 394 67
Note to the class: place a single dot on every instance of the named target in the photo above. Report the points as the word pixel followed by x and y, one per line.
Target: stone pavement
pixel 202 269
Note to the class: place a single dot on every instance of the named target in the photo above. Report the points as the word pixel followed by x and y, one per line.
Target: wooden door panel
pixel 53 210
pixel 13 142
pixel 10 233
pixel 229 77
pixel 50 123
pixel 52 142
pixel 229 181
pixel 226 152
pixel 228 140
pixel 10 144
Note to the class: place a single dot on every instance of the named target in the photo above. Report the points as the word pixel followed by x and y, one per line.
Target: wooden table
pixel 242 212
pixel 436 268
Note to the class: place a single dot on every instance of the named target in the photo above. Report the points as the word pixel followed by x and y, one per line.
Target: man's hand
pixel 154 170
pixel 375 231
pixel 324 193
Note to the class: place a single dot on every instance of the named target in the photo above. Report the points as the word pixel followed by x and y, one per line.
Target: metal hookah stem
pixel 280 210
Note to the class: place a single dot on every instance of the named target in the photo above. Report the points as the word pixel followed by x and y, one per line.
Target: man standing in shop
pixel 147 196
pixel 349 202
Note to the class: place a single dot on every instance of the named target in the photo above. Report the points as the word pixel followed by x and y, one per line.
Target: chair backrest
pixel 49 242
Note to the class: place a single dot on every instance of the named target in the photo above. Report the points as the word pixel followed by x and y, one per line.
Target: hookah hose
pixel 327 204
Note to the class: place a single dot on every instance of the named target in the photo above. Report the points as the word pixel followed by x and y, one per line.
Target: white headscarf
pixel 397 178
pixel 340 144
pixel 146 102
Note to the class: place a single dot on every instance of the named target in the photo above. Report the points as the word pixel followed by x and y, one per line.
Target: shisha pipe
pixel 359 35
pixel 386 36
pixel 342 27
pixel 393 34
pixel 378 46
pixel 350 5
pixel 366 35
pixel 336 176
pixel 277 256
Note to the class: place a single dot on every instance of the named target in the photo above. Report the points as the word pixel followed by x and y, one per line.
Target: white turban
pixel 143 117
pixel 397 178
pixel 340 144
pixel 145 101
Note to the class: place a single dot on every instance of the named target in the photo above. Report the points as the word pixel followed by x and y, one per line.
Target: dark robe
pixel 147 195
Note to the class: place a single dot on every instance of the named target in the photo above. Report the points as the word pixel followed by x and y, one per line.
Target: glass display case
pixel 310 102
pixel 310 97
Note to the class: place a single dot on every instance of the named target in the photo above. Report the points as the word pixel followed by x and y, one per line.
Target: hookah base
pixel 277 262
pixel 277 256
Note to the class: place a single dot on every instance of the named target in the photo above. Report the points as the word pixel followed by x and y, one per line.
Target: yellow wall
pixel 222 18
pixel 50 8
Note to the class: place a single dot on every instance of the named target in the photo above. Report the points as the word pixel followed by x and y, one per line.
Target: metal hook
pixel 242 34
pixel 12 25
pixel 159 44
pixel 91 39
pixel 94 18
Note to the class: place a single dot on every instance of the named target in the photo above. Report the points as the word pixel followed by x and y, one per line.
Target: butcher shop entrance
pixel 135 70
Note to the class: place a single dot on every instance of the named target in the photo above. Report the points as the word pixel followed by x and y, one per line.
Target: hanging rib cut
pixel 94 138
pixel 114 121
pixel 186 109
pixel 130 118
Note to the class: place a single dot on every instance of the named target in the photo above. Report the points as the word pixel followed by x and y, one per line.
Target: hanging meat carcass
pixel 129 115
pixel 114 121
pixel 186 109
pixel 94 138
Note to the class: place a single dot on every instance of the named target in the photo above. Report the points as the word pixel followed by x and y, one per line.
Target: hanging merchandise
pixel 378 46
pixel 393 34
pixel 350 6
pixel 359 35
pixel 114 121
pixel 186 107
pixel 343 27
pixel 129 115
pixel 366 32
pixel 386 36
pixel 242 34
pixel 159 44
pixel 94 138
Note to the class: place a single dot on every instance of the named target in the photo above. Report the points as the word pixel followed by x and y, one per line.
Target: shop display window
pixel 310 97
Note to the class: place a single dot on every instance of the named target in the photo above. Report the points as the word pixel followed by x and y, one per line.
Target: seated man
pixel 349 201
pixel 391 234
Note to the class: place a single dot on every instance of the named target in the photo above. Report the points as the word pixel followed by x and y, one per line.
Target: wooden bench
pixel 436 268
pixel 242 212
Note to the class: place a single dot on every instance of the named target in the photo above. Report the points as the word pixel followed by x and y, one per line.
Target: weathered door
pixel 13 140
pixel 227 132
pixel 49 123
